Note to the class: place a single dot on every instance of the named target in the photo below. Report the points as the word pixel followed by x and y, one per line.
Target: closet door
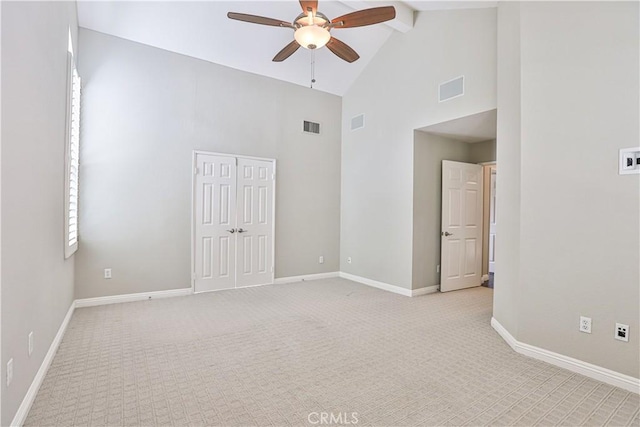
pixel 255 223
pixel 215 222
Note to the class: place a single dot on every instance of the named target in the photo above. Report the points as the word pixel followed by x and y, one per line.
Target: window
pixel 72 155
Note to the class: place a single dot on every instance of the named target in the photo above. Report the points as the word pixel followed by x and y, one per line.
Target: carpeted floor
pixel 307 354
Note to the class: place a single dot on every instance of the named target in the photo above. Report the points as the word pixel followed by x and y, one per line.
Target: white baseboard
pixel 574 365
pixel 25 406
pixel 424 291
pixel 359 279
pixel 90 302
pixel 293 279
pixel 374 283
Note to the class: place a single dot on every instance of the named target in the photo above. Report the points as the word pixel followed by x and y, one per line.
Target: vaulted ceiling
pixel 202 30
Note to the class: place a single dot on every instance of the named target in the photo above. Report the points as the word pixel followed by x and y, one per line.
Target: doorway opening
pixel 454 222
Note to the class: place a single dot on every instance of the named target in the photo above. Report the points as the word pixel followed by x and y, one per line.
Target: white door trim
pixel 492 219
pixel 194 164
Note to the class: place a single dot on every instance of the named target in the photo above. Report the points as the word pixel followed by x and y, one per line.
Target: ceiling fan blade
pixel 342 50
pixel 286 52
pixel 306 5
pixel 258 20
pixel 365 17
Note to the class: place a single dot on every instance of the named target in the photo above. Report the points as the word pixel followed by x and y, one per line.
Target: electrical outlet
pixel 438 268
pixel 107 273
pixel 348 260
pixel 30 343
pixel 321 260
pixel 9 371
pixel 585 324
pixel 622 332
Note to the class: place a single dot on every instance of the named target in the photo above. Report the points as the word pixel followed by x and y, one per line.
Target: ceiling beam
pixel 404 14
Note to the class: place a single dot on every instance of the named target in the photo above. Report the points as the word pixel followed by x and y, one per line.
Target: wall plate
pixel 629 161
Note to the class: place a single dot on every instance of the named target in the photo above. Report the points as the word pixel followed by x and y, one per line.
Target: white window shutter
pixel 73 160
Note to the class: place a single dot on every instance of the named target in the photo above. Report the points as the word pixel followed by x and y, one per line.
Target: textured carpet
pixel 309 354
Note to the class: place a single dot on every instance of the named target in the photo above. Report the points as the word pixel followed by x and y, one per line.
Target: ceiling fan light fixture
pixel 312 36
pixel 311 28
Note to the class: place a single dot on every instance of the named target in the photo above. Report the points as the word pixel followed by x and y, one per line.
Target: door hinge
pixel 195 171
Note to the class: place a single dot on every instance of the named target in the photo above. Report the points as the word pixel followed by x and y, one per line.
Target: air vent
pixel 451 89
pixel 311 127
pixel 357 122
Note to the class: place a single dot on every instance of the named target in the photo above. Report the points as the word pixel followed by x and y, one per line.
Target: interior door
pixel 215 218
pixel 492 223
pixel 461 237
pixel 255 222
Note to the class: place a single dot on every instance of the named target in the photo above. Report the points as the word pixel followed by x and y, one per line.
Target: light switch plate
pixel 629 161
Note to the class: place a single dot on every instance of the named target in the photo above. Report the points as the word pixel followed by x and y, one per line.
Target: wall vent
pixel 311 127
pixel 357 122
pixel 451 89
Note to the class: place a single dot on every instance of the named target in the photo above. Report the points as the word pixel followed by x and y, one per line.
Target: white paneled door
pixel 254 222
pixel 461 237
pixel 233 222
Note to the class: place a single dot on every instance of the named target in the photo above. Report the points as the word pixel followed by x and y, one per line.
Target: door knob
pixel 233 230
pixel 447 234
pixel 240 230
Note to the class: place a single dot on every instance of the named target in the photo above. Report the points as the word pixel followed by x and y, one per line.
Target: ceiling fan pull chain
pixel 313 67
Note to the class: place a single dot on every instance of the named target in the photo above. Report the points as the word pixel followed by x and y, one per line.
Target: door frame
pixel 487 214
pixel 194 164
pixel 493 183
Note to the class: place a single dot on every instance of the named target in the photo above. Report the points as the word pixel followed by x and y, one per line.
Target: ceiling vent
pixel 357 122
pixel 311 127
pixel 451 89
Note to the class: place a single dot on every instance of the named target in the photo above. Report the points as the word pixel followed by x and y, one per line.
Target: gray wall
pixel 144 112
pixel 482 152
pixel 398 92
pixel 37 282
pixel 578 224
pixel 507 279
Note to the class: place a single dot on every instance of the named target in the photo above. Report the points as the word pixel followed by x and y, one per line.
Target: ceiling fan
pixel 311 28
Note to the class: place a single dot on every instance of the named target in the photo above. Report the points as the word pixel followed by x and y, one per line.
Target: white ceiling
pixel 473 128
pixel 202 30
pixel 450 4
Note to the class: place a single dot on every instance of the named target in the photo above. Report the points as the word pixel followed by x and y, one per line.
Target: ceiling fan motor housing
pixel 311 30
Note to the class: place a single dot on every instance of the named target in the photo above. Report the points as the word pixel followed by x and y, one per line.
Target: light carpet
pixel 307 353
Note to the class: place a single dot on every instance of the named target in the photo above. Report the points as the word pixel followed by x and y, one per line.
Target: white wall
pixel 398 93
pixel 578 222
pixel 144 112
pixel 37 283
